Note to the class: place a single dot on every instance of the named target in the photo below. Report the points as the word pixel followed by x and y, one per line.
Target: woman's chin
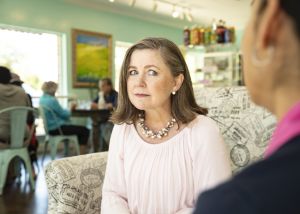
pixel 141 108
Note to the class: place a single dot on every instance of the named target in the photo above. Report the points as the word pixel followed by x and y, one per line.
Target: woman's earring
pixel 256 61
pixel 173 92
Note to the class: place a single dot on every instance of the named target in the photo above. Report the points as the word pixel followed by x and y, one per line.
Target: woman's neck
pixel 157 119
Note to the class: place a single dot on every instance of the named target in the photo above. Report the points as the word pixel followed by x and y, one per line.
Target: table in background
pixel 98 116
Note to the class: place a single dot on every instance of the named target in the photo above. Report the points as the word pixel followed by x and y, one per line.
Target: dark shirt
pixel 112 98
pixel 270 186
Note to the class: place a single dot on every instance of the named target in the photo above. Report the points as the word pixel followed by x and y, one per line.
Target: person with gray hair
pixel 61 117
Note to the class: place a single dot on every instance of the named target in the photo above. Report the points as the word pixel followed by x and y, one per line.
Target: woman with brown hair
pixel 163 149
pixel 271 50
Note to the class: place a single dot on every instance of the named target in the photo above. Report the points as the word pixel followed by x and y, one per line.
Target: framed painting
pixel 91 57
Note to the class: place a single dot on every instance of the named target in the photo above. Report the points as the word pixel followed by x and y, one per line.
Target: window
pixel 34 55
pixel 120 51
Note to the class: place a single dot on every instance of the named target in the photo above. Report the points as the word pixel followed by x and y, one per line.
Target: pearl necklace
pixel 152 134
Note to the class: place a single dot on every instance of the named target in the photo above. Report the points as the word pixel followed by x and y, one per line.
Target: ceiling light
pixel 111 0
pixel 175 12
pixel 179 10
pixel 189 16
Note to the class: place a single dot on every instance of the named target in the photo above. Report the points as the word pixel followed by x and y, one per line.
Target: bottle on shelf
pixel 220 31
pixel 207 36
pixel 186 36
pixel 213 36
pixel 217 33
pixel 232 34
pixel 195 36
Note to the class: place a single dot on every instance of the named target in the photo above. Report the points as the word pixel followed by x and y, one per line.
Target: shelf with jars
pixel 212 56
pixel 217 33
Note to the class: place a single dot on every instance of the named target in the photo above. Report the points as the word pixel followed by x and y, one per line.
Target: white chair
pixel 54 140
pixel 16 147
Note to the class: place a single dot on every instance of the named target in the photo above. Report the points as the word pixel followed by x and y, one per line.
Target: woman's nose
pixel 141 80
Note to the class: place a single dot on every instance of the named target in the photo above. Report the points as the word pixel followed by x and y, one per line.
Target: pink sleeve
pixel 114 195
pixel 211 163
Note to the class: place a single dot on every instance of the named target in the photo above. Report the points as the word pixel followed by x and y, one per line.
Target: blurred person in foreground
pixel 271 51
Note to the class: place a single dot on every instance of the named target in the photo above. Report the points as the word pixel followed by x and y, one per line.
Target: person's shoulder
pixel 19 89
pixel 274 179
pixel 13 89
pixel 119 136
pixel 115 93
pixel 47 100
pixel 123 128
pixel 203 123
pixel 226 198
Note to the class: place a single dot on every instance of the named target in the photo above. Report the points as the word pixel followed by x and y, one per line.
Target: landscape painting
pixel 91 52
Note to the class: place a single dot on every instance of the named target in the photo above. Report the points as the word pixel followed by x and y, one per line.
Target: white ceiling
pixel 234 12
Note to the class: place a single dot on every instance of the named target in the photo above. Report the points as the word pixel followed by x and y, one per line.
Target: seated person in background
pixel 10 95
pixel 62 117
pixel 109 93
pixel 110 96
pixel 33 144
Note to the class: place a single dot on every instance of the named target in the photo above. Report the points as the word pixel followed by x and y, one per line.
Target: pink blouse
pixel 163 178
pixel 286 129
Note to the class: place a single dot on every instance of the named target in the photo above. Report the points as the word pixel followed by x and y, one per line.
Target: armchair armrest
pixel 75 184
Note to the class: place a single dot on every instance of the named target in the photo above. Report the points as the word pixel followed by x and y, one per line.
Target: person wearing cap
pixel 10 95
pixel 33 144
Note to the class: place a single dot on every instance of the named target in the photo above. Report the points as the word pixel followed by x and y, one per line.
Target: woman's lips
pixel 141 95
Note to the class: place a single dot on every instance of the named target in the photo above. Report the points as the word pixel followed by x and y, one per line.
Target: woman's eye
pixel 152 72
pixel 132 72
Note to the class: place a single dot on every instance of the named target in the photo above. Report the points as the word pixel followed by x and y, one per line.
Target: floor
pixel 18 198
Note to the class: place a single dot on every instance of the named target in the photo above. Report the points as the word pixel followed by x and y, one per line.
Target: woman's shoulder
pixel 47 98
pixel 202 122
pixel 123 128
pixel 205 134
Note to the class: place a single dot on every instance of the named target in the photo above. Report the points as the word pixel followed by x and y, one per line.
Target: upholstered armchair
pixel 74 184
pixel 246 127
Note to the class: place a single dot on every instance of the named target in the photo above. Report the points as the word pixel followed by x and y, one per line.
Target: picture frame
pixel 91 57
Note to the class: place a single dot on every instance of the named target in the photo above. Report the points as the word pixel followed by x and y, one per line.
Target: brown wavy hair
pixel 183 104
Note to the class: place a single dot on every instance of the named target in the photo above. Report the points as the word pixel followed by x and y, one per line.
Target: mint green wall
pixel 58 16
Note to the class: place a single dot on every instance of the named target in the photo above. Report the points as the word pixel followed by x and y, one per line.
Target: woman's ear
pixel 178 82
pixel 268 25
